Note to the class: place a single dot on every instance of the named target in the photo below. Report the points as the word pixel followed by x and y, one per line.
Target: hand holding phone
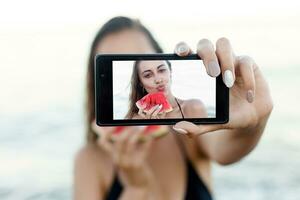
pixel 245 113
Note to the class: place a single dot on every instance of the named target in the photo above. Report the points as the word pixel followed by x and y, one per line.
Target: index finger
pixel 225 55
pixel 206 51
pixel 150 112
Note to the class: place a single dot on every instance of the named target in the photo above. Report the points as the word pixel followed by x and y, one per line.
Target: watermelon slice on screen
pixel 153 99
pixel 155 131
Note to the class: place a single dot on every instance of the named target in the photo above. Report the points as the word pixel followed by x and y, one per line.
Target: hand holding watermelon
pixel 153 106
pixel 127 153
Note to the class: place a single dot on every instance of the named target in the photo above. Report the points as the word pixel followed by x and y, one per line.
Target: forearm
pixel 149 193
pixel 230 145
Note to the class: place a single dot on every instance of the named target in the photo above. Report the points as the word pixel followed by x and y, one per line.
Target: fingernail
pixel 182 48
pixel 228 78
pixel 180 130
pixel 213 68
pixel 250 96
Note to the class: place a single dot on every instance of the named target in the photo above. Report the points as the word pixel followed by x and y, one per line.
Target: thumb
pixel 187 128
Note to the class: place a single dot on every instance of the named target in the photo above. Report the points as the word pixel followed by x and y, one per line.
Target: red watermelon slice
pixel 153 99
pixel 155 131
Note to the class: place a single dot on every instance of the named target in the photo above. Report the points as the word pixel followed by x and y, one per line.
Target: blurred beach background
pixel 43 58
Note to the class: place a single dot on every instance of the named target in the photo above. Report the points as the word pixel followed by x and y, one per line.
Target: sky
pixel 34 12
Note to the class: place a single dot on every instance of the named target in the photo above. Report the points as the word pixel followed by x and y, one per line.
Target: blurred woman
pixel 175 166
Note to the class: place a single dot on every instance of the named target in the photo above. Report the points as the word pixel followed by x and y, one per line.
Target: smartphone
pixel 161 89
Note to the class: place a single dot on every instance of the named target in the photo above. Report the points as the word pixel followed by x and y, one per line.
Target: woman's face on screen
pixel 155 76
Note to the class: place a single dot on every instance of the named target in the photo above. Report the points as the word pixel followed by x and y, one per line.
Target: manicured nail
pixel 228 78
pixel 182 48
pixel 180 130
pixel 213 68
pixel 250 96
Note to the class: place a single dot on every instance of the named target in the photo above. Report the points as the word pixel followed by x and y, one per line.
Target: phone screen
pixel 185 80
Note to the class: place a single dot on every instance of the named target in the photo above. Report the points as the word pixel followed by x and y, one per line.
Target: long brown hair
pixel 137 91
pixel 114 25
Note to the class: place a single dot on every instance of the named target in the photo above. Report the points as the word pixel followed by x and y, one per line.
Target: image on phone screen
pixel 183 79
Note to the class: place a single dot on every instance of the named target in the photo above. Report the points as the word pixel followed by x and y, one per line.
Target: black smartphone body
pixel 121 80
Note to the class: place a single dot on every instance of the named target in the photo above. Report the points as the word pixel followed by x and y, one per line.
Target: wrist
pixel 253 131
pixel 137 177
pixel 256 127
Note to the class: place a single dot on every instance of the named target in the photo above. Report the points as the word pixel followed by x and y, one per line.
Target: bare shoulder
pixel 92 171
pixel 91 157
pixel 88 153
pixel 194 107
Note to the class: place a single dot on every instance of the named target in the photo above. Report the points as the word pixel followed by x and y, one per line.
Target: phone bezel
pixel 104 95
